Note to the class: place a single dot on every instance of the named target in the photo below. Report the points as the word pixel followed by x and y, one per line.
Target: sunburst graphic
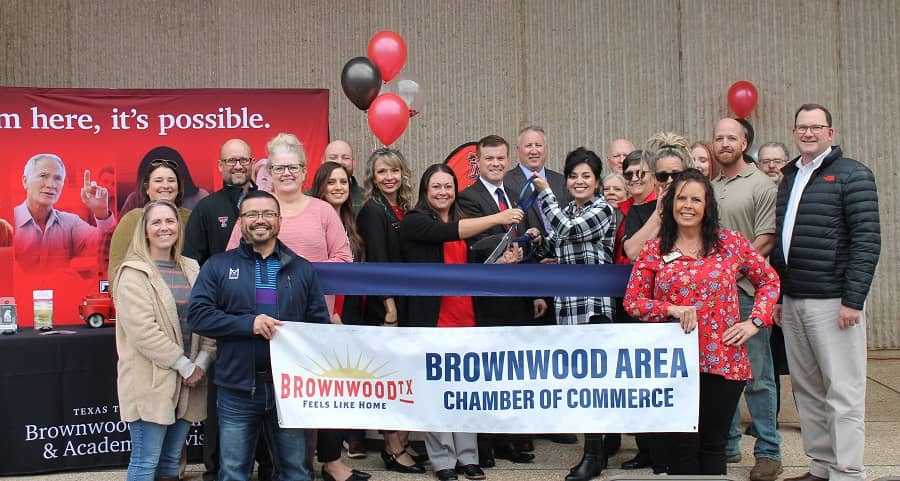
pixel 335 367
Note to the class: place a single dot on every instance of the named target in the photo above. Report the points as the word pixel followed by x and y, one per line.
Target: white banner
pixel 538 379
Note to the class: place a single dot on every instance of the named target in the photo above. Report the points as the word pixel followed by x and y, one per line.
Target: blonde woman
pixel 162 364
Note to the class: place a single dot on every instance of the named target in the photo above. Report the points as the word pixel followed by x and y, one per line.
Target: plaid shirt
pixel 580 236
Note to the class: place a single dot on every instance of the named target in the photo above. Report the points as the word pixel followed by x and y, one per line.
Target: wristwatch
pixel 757 322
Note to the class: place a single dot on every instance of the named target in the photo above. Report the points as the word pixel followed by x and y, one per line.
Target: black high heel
pixel 391 464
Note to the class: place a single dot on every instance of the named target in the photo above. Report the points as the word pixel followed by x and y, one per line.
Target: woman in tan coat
pixel 162 365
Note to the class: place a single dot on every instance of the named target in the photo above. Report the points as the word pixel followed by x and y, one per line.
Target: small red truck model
pixel 97 309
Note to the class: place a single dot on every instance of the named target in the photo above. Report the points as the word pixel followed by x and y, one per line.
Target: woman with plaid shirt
pixel 584 232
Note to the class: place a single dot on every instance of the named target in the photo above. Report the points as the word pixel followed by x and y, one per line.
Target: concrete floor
pixel 882 455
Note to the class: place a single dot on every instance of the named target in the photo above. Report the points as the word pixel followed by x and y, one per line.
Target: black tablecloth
pixel 59 405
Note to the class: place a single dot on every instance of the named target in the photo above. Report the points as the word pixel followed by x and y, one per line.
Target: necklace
pixel 690 251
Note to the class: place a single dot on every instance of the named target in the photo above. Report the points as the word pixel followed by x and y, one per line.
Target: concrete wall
pixel 589 71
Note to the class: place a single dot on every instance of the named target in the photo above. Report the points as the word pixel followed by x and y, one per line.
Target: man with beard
pixel 746 198
pixel 206 234
pixel 772 157
pixel 235 301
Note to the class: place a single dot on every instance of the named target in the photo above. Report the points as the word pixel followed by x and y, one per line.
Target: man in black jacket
pixel 828 239
pixel 212 220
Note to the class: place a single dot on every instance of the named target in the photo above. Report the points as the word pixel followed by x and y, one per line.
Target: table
pixel 59 403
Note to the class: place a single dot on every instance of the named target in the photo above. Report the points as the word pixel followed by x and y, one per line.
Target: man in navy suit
pixel 485 197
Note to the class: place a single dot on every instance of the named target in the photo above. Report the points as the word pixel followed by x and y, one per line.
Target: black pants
pixel 703 452
pixel 328 446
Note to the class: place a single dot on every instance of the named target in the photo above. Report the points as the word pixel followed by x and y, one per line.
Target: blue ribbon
pixel 526 203
pixel 515 280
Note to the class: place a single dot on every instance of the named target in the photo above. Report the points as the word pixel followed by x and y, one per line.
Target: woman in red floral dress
pixel 689 275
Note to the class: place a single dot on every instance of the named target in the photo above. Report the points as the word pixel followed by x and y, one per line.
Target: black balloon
pixel 361 81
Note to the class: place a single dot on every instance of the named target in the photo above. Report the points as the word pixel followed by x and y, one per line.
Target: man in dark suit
pixel 485 197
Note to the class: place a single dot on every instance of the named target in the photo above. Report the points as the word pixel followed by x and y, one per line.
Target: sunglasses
pixel 632 175
pixel 164 162
pixel 663 177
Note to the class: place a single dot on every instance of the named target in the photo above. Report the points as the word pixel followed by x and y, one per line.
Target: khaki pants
pixel 828 372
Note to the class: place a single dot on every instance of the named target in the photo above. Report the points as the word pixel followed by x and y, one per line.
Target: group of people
pixel 200 293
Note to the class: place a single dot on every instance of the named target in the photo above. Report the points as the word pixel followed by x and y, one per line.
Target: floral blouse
pixel 709 284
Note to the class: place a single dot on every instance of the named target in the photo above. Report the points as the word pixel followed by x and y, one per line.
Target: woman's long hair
pixel 320 183
pixel 393 158
pixel 140 245
pixel 423 204
pixel 709 225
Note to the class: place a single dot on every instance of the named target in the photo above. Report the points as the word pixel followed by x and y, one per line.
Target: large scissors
pixel 526 200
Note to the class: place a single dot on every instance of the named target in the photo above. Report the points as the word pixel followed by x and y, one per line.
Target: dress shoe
pixel 391 464
pixel 354 476
pixel 806 477
pixel 445 475
pixel 561 438
pixel 640 461
pixel 510 453
pixel 470 471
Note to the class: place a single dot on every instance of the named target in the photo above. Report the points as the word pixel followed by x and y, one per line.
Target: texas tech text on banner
pixel 588 378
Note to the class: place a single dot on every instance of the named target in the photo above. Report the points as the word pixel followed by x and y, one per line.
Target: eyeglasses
pixel 772 161
pixel 255 214
pixel 292 168
pixel 663 177
pixel 634 175
pixel 164 162
pixel 816 129
pixel 244 161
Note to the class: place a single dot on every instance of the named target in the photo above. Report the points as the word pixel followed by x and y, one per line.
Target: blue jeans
pixel 155 449
pixel 760 394
pixel 242 415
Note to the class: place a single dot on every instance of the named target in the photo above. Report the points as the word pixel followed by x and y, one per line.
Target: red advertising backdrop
pixel 105 134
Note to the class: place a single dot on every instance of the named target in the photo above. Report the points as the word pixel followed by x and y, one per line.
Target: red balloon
pixel 388 117
pixel 742 97
pixel 387 50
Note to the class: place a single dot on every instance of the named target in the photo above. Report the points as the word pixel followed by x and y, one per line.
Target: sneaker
pixel 766 469
pixel 356 449
pixel 733 458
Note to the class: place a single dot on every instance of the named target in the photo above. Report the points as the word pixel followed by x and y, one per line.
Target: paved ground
pixel 553 460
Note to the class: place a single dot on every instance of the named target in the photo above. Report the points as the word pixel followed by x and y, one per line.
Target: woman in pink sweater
pixel 310 227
